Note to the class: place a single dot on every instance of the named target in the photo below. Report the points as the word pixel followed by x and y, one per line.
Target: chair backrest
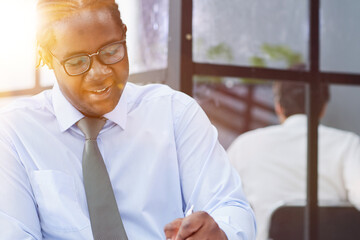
pixel 335 223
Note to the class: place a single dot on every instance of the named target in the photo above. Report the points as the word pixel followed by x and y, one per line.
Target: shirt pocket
pixel 58 205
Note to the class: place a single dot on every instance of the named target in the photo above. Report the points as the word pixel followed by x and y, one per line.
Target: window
pixel 250 32
pixel 237 41
pixel 17 45
pixel 233 45
pixel 340 48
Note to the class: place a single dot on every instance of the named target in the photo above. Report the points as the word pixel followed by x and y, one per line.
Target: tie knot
pixel 91 126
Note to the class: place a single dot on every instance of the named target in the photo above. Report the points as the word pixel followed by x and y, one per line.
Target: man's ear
pixel 322 111
pixel 48 61
pixel 124 27
pixel 279 112
pixel 278 108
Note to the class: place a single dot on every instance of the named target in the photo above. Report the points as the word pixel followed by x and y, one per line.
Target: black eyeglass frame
pixel 62 62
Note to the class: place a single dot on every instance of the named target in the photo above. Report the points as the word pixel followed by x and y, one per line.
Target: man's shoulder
pixel 261 132
pixel 335 133
pixel 155 91
pixel 256 138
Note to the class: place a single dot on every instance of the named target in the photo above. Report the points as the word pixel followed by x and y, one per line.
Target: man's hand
pixel 199 225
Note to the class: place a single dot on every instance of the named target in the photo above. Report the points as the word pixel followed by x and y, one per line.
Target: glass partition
pixel 147 36
pixel 251 32
pixel 235 105
pixel 340 34
pixel 341 111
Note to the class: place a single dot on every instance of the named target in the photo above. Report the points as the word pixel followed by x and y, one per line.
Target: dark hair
pixel 51 11
pixel 291 96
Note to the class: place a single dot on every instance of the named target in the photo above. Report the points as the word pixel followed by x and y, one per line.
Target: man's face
pixel 97 91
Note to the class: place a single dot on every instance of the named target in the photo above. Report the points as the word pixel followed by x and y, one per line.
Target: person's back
pixel 272 164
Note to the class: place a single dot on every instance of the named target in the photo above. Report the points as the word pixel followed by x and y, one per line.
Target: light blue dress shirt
pixel 161 152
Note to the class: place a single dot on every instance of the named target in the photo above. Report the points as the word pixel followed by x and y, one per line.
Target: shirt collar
pixel 119 114
pixel 67 115
pixel 296 120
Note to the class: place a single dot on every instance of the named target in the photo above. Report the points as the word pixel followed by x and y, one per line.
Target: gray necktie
pixel 105 218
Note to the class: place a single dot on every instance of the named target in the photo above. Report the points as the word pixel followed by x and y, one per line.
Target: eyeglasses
pixel 81 63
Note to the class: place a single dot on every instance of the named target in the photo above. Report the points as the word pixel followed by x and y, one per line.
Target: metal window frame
pixel 313 77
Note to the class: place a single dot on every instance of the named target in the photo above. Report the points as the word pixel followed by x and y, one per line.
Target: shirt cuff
pixel 240 225
pixel 230 232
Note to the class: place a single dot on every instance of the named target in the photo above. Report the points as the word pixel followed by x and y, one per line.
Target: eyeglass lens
pixel 110 54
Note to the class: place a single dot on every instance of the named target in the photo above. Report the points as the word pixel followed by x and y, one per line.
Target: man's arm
pixel 18 215
pixel 208 182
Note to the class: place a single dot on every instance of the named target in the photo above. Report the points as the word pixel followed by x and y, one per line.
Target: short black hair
pixel 291 96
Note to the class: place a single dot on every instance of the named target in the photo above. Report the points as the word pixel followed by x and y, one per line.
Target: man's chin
pixel 93 107
pixel 97 110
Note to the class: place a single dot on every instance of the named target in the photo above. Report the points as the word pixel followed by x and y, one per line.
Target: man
pixel 272 160
pixel 97 157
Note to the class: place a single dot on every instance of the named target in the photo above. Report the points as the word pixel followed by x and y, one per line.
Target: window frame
pixel 313 77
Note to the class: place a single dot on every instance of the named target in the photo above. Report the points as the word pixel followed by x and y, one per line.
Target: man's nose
pixel 98 70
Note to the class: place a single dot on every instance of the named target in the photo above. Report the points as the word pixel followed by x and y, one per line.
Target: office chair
pixel 340 222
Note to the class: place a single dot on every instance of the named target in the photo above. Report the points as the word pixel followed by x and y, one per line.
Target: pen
pixel 190 211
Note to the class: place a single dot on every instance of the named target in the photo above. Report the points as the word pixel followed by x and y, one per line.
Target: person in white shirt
pixel 159 148
pixel 272 160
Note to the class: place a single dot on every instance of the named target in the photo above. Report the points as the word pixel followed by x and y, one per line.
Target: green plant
pixel 279 53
